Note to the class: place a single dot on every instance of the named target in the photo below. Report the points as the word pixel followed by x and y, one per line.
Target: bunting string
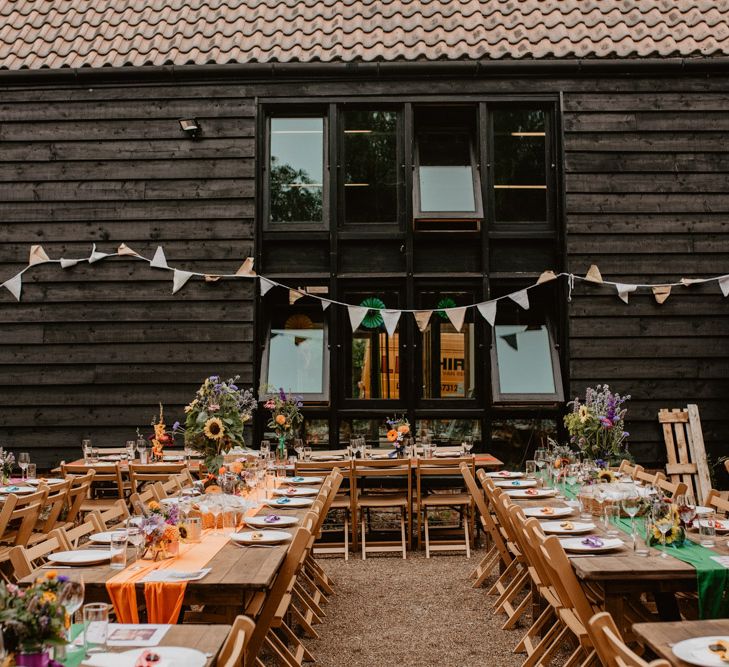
pixel 390 316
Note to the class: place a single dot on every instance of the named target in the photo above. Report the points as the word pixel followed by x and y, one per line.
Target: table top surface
pixel 661 637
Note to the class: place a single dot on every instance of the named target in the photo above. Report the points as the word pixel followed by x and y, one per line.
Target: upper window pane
pixel 524 357
pixel 370 166
pixel 296 170
pixel 520 170
pixel 446 173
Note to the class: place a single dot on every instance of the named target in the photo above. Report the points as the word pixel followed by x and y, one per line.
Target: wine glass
pixel 216 510
pixel 468 444
pixel 136 539
pixel 661 514
pixel 299 447
pixel 265 448
pixel 630 503
pixel 23 461
pixel 686 508
pixel 72 597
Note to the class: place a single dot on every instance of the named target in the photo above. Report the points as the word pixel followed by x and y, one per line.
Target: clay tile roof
pixel 38 34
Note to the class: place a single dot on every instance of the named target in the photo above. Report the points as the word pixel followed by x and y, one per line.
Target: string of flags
pixel 390 316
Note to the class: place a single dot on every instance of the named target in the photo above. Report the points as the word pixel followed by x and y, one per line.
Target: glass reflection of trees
pixel 293 203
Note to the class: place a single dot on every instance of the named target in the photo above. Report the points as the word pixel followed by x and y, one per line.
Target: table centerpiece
pixel 161 532
pixel 286 417
pixel 398 428
pixel 161 437
pixel 7 463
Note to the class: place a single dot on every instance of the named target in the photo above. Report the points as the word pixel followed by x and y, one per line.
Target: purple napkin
pixel 593 541
pixel 272 518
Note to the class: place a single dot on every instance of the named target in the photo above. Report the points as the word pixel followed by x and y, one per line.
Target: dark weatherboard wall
pixel 91 350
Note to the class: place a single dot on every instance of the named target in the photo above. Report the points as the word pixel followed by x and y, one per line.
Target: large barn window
pixel 296 173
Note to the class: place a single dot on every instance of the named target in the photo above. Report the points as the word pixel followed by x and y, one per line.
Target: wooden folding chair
pixel 116 514
pixel 139 501
pixel 233 652
pixel 18 517
pixel 498 553
pixel 428 497
pixel 71 538
pixel 25 560
pixel 55 502
pixel 627 468
pixel 78 494
pixel 381 485
pixel 610 647
pixel 107 485
pixel 141 474
pixel 670 489
pixel 685 450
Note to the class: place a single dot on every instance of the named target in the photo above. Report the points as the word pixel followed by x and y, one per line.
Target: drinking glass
pixel 31 471
pixel 131 446
pixel 194 528
pixel 686 509
pixel 265 448
pixel 136 539
pixel 23 461
pixel 707 529
pixel 584 496
pixel 230 520
pixel 631 505
pixel 216 510
pixel 643 528
pixel 142 449
pixel 661 514
pixel 71 597
pixel 612 515
pixel 96 627
pixel 118 548
pixel 468 444
pixel 307 453
pixel 299 447
pixel 531 469
pixel 573 471
pixel 86 448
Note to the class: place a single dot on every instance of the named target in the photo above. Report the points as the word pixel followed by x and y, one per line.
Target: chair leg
pixel 517 613
pixel 527 643
pixel 484 569
pixel 427 533
pixel 362 538
pixel 402 533
pixel 468 541
pixel 346 534
pixel 504 578
pixel 545 650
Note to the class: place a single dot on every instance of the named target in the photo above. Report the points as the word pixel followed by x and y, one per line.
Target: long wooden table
pixel 661 637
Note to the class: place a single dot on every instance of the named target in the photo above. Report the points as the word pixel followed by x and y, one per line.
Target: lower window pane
pixel 449 432
pixel 514 440
pixel 375 365
pixel 373 430
pixel 524 359
pixel 316 433
pixel 296 358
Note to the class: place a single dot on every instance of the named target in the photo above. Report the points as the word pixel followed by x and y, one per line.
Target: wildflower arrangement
pixel 286 416
pixel 216 418
pixel 161 438
pixel 160 530
pixel 398 428
pixel 33 618
pixel 7 463
pixel 596 426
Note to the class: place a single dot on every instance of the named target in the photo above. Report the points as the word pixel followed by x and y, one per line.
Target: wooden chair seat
pixel 100 504
pixel 383 501
pixel 341 503
pixel 446 499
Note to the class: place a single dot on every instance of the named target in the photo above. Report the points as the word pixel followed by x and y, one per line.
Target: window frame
pixel 503 399
pixel 295 112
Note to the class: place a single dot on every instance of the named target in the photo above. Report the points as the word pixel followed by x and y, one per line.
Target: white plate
pixel 721 526
pixel 575 545
pixel 303 480
pixel 556 512
pixel 45 480
pixel 328 457
pixel 173 457
pixel 261 537
pixel 171 655
pixel 281 521
pixel 17 490
pixel 110 457
pixel 578 527
pixel 289 503
pixel 700 509
pixel 516 483
pixel 695 651
pixel 81 557
pixel 292 491
pixel 505 474
pixel 538 493
pixel 101 538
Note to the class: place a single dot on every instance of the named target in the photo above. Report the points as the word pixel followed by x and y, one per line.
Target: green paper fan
pixel 373 318
pixel 445 303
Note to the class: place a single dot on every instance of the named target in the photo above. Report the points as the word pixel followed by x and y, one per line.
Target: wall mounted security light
pixel 191 127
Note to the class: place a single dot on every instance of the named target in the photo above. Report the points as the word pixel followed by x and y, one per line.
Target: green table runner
pixel 74 654
pixel 712 578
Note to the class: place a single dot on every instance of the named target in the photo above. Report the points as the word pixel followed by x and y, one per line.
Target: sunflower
pixel 605 476
pixel 214 429
pixel 584 414
pixel 392 435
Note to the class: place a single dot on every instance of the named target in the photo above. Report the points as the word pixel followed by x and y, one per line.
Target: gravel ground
pixel 388 611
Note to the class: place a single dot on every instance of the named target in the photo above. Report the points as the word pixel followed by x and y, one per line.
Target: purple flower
pixel 626 434
pixel 62 579
pixel 175 426
pixel 281 394
pixel 606 423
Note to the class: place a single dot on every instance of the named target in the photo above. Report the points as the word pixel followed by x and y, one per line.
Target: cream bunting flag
pixel 624 290
pixel 37 255
pixel 325 304
pixel 294 296
pixel 159 261
pixel 14 285
pixel 521 297
pixel 125 251
pixel 65 263
pixel 390 318
pixel 179 279
pixel 356 315
pixel 456 316
pixel 593 275
pixel 264 284
pixel 211 278
pixel 546 277
pixel 691 281
pixel 661 293
pixel 96 255
pixel 422 318
pixel 488 310
pixel 246 269
pixel 724 285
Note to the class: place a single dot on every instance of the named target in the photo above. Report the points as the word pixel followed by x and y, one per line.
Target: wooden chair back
pixel 143 473
pixel 184 479
pixel 345 468
pixel 717 501
pixel 24 560
pixel 167 489
pixel 426 469
pixel 365 469
pixel 78 493
pixel 71 538
pixel 487 520
pixel 670 489
pixel 685 450
pixel 55 501
pixel 19 515
pixel 108 479
pixel 649 478
pixel 117 513
pixel 232 654
pixel 627 468
pixel 610 647
pixel 139 501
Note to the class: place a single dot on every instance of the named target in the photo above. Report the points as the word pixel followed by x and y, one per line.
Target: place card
pixel 722 560
pixel 123 634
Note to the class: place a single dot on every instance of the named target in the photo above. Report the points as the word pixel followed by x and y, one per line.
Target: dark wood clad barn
pixel 419 155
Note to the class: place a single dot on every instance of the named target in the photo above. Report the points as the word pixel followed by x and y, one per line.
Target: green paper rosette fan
pixel 442 304
pixel 373 318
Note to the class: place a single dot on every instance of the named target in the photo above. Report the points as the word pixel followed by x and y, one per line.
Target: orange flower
pixel 153 505
pixel 280 420
pixel 403 428
pixel 51 574
pixel 222 470
pixel 392 435
pixel 236 467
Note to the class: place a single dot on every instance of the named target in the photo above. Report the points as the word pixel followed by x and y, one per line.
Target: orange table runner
pixel 164 599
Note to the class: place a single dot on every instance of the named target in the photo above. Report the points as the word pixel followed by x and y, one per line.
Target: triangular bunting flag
pixel 179 279
pixel 246 269
pixel 294 296
pixel 546 277
pixel 488 310
pixel 211 279
pixel 691 281
pixel 456 316
pixel 96 255
pixel 521 297
pixel 37 255
pixel 159 261
pixel 390 318
pixel 356 315
pixel 14 285
pixel 593 275
pixel 661 293
pixel 422 318
pixel 511 341
pixel 724 285
pixel 624 290
pixel 65 263
pixel 125 251
pixel 264 285
pixel 325 304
